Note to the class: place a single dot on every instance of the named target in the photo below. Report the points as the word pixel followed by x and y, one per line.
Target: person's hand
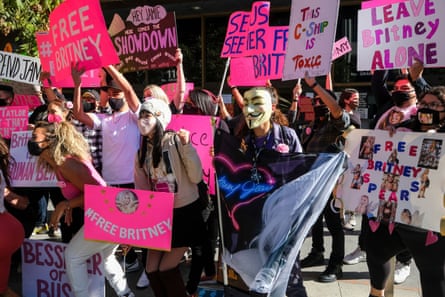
pixel 416 69
pixel 44 75
pixel 392 130
pixel 76 72
pixel 184 136
pixel 268 83
pixel 178 56
pixel 125 248
pixel 297 90
pixel 62 208
pixel 310 81
pixel 229 83
pixel 16 201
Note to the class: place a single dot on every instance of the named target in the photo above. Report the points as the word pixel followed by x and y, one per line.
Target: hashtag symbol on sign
pixel 45 49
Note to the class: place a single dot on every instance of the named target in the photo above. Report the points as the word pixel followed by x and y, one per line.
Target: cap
pixel 111 84
pixel 159 109
pixel 91 93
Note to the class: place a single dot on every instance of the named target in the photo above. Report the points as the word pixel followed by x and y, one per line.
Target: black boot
pixel 313 259
pixel 331 274
pixel 173 283
pixel 156 284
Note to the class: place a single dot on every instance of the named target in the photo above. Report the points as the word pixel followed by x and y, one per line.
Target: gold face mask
pixel 257 107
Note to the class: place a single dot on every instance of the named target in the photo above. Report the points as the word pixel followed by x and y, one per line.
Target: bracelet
pixel 295 100
pixel 313 85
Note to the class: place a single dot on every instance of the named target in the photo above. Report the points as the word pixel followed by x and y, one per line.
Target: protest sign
pixel 241 73
pixel 406 170
pixel 44 273
pixel 77 34
pixel 170 89
pixel 313 25
pixel 24 171
pixel 25 94
pixel 134 217
pixel 393 35
pixel 146 40
pixel 13 118
pixel 249 35
pixel 19 68
pixel 341 47
pixel 201 137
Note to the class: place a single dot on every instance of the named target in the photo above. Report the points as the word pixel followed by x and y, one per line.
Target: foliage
pixel 25 18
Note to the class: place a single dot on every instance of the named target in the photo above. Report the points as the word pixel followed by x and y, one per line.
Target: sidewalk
pixel 355 281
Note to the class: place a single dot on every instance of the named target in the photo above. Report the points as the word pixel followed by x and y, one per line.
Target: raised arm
pixel 179 98
pixel 78 112
pixel 331 103
pixel 127 88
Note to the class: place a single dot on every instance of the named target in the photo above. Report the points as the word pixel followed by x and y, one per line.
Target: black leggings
pixel 430 260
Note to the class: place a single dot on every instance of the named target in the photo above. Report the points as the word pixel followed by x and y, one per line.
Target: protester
pixel 323 135
pixel 12 234
pixel 429 258
pixel 257 132
pixel 168 162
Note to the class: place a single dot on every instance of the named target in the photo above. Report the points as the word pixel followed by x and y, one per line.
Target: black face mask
pixel 191 109
pixel 3 102
pixel 321 111
pixel 400 97
pixel 88 106
pixel 34 149
pixel 116 103
pixel 427 116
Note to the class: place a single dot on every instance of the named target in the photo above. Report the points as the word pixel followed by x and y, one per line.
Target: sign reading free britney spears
pixel 405 171
pixel 128 216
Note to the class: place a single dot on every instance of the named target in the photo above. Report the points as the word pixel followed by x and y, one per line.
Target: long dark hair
pixel 156 141
pixel 4 161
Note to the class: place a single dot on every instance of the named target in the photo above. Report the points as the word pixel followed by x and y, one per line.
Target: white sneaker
pixel 143 281
pixel 130 267
pixel 352 220
pixel 355 257
pixel 401 272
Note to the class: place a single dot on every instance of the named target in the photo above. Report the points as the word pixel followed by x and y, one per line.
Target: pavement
pixel 355 281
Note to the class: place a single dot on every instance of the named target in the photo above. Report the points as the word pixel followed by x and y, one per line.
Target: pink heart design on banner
pixel 431 238
pixel 374 225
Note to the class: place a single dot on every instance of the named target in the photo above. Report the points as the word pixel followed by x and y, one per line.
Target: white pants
pixel 76 255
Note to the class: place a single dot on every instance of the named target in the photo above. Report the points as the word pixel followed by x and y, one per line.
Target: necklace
pixel 255 175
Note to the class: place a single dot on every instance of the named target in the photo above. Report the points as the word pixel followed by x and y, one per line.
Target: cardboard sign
pixel 20 68
pixel 128 216
pixel 313 24
pixel 341 47
pixel 24 171
pixel 44 273
pixel 170 89
pixel 393 35
pixel 146 40
pixel 13 118
pixel 406 171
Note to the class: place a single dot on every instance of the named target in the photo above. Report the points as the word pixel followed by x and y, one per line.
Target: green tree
pixel 25 18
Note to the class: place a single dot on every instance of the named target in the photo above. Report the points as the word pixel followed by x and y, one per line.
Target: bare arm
pixel 331 103
pixel 179 98
pixel 78 112
pixel 130 94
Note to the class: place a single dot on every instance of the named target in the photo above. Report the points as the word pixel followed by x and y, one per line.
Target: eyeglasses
pixel 432 105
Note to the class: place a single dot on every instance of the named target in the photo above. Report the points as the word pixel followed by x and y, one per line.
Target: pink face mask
pixel 54 118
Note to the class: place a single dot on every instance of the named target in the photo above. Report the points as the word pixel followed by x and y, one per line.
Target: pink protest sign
pixel 90 79
pixel 375 3
pixel 135 217
pixel 241 73
pixel 77 33
pixel 32 101
pixel 201 136
pixel 13 118
pixel 170 89
pixel 340 48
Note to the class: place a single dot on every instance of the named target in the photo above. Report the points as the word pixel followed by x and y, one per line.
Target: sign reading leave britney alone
pixel 313 25
pixel 147 40
pixel 24 171
pixel 393 35
pixel 399 178
pixel 249 35
pixel 44 273
pixel 201 137
pixel 128 216
pixel 19 68
pixel 77 34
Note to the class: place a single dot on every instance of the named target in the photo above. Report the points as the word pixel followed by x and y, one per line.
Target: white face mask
pixel 257 108
pixel 146 125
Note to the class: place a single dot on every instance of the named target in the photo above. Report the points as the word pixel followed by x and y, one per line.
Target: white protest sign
pixel 20 68
pixel 312 29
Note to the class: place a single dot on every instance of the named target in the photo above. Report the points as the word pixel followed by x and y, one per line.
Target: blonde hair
pixel 157 92
pixel 64 141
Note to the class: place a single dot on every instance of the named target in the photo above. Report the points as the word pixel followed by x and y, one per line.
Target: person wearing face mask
pixel 322 135
pixel 168 162
pixel 429 258
pixel 120 134
pixel 60 148
pixel 6 95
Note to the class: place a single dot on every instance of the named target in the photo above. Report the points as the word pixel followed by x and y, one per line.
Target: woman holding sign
pixel 62 149
pixel 427 247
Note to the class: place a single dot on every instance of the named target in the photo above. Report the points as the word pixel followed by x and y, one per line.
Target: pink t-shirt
pixel 69 190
